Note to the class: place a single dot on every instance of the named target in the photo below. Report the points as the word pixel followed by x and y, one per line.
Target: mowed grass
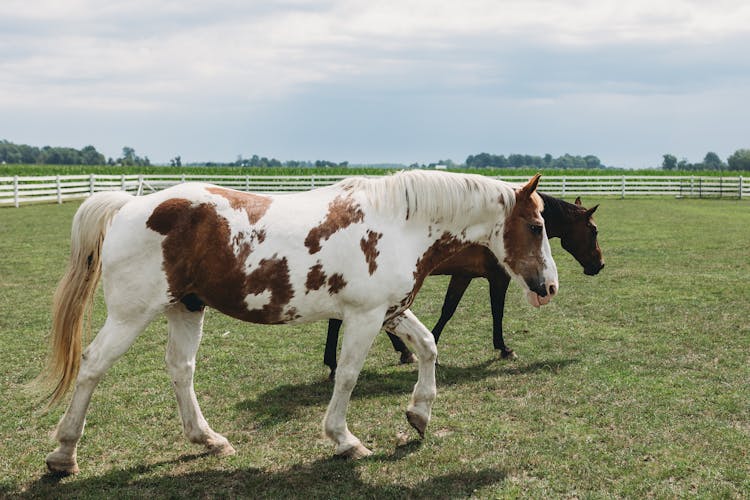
pixel 632 383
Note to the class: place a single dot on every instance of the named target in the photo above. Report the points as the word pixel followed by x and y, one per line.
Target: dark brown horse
pixel 572 223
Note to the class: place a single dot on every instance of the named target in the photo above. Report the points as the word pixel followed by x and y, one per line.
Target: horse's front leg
pixel 412 331
pixel 360 330
pixel 332 343
pixel 498 283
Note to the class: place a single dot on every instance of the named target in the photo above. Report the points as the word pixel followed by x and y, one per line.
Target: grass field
pixel 632 383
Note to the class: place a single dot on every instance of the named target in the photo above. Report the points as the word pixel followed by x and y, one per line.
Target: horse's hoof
pixel 408 358
pixel 221 450
pixel 64 465
pixel 417 421
pixel 355 452
pixel 508 354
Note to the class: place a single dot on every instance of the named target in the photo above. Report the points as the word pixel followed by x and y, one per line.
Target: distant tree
pixel 90 156
pixel 592 161
pixel 176 161
pixel 712 161
pixel 669 162
pixel 516 161
pixel 740 160
pixel 128 156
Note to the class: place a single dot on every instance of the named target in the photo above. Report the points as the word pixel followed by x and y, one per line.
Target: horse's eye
pixel 536 229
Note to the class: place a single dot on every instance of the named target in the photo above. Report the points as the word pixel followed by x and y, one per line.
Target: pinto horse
pixel 570 222
pixel 357 251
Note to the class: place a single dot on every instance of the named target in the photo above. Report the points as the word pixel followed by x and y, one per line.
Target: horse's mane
pixel 560 208
pixel 431 195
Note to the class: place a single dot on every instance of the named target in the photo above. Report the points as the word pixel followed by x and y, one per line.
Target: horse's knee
pixel 346 379
pixel 180 370
pixel 430 351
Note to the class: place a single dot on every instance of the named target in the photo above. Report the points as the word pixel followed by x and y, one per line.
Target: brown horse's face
pixel 579 239
pixel 528 257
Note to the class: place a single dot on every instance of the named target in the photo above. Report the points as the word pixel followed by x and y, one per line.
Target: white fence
pixel 19 190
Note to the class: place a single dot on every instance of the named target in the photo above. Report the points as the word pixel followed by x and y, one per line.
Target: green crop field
pixel 24 170
pixel 633 383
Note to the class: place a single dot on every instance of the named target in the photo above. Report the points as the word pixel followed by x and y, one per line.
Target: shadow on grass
pixel 325 478
pixel 281 403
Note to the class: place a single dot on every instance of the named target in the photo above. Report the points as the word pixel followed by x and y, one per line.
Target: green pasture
pixel 633 383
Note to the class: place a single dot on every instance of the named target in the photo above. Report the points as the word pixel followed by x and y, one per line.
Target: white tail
pixel 76 289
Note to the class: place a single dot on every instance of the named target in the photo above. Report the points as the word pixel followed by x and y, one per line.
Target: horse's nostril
pixel 552 290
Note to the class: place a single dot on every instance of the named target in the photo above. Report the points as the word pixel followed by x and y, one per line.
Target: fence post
pixel 59 191
pixel 692 185
pixel 15 191
pixel 563 187
pixel 622 194
pixel 247 183
pixel 139 191
pixel 122 182
pixel 740 188
pixel 91 184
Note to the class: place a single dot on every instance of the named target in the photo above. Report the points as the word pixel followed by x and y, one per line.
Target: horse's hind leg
pixel 115 337
pixel 411 330
pixel 185 331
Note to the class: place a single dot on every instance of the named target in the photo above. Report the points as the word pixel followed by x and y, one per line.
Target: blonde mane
pixel 433 195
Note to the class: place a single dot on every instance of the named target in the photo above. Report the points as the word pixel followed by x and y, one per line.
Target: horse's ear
pixel 530 186
pixel 591 211
pixel 578 201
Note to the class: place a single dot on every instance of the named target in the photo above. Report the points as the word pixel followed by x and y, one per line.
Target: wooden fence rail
pixel 19 190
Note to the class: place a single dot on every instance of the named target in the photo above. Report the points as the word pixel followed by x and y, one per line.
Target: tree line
pixel 263 162
pixel 48 155
pixel 739 160
pixel 11 153
pixel 487 160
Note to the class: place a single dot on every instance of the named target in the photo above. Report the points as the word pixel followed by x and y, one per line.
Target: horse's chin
pixel 537 300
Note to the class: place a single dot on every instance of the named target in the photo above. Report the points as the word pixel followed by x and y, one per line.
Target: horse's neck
pixel 556 215
pixel 448 241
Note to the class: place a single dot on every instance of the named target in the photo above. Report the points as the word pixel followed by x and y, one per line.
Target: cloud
pixel 390 61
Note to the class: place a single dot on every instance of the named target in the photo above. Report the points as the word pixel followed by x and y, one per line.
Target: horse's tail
pixel 75 292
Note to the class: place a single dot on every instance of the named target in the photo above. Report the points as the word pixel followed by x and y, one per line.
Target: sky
pixel 391 81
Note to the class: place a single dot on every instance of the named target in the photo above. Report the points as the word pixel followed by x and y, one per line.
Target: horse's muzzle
pixel 593 270
pixel 541 293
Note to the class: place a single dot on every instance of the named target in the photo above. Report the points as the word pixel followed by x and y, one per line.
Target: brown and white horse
pixel 571 222
pixel 357 251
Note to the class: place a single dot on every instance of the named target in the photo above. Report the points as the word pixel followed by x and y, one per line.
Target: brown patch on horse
pixel 442 249
pixel 342 212
pixel 369 248
pixel 335 283
pixel 316 278
pixel 255 205
pixel 202 268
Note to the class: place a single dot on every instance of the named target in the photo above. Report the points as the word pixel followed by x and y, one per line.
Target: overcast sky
pixel 378 81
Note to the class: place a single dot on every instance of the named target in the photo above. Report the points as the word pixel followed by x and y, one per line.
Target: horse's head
pixel 579 239
pixel 528 257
